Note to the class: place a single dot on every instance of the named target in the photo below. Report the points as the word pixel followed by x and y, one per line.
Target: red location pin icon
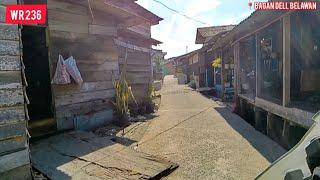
pixel 250 4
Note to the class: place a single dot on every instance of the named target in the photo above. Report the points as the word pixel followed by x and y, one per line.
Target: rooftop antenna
pixel 186 49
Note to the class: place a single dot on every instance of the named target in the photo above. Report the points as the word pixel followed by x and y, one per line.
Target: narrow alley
pixel 205 138
pixel 159 89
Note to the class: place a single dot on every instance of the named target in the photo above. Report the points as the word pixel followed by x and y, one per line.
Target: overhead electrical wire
pixel 180 13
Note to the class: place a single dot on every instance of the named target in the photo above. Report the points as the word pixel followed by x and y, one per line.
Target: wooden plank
pixel 94 120
pixel 68 36
pixel 9 145
pixel 65 123
pixel 84 97
pixel 121 42
pixel 103 30
pixel 223 61
pixel 103 18
pixel 137 75
pixel 8 131
pixel 259 79
pixel 68 27
pixel 141 30
pixel 298 116
pixel 14 160
pixel 9 77
pixel 62 6
pixel 5 2
pixel 136 68
pixel 309 80
pixel 11 97
pixel 101 158
pixel 83 108
pixel 12 114
pixel 134 54
pixel 129 22
pixel 9 48
pixel 63 17
pixel 106 66
pixel 140 88
pixel 236 51
pixel 9 32
pixel 144 80
pixel 10 63
pixel 247 98
pixel 60 90
pixel 22 172
pixel 91 48
pixel 2 13
pixel 94 76
pixel 286 60
pixel 135 61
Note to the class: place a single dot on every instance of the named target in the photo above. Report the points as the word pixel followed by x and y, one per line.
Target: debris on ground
pixel 37 175
pixel 108 130
pixel 83 155
pixel 139 118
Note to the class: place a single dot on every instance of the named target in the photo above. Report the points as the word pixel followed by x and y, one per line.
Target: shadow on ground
pixel 268 148
pixel 83 155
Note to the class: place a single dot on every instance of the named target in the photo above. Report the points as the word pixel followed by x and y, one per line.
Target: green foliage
pixel 158 62
pixel 150 92
pixel 123 95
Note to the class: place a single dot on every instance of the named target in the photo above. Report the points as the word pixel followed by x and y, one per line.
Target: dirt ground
pixel 203 137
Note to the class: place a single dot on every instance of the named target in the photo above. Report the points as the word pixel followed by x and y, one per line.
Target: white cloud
pixel 202 6
pixel 179 32
pixel 176 34
pixel 143 3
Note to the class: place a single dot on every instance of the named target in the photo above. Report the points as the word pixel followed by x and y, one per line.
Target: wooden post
pixel 222 76
pixel 214 77
pixel 237 68
pixel 258 67
pixel 286 60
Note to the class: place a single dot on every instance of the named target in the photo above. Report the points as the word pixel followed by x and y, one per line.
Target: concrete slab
pixel 82 155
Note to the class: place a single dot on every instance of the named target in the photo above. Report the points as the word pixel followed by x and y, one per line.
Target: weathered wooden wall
pixel 14 150
pixel 138 70
pixel 73 31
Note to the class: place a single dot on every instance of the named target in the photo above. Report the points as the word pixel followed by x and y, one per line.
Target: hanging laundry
pixel 61 75
pixel 73 70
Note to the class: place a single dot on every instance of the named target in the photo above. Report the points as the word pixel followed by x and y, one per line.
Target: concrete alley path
pixel 205 138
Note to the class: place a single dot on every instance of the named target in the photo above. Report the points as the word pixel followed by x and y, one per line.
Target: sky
pixel 176 32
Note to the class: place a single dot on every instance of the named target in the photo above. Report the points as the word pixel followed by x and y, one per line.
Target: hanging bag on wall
pixel 73 70
pixel 61 75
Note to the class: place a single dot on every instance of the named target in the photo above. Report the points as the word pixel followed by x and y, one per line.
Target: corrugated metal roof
pixel 205 33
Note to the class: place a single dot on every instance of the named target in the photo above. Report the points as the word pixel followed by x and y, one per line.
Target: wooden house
pixel 14 151
pixel 209 76
pixel 157 59
pixel 169 67
pixel 101 35
pixel 277 63
pixel 188 65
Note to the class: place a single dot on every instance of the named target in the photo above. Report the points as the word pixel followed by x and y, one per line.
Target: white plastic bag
pixel 73 70
pixel 61 75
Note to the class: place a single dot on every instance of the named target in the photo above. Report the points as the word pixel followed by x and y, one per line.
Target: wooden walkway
pixel 82 155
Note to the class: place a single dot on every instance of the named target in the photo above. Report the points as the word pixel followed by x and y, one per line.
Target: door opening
pixel 37 71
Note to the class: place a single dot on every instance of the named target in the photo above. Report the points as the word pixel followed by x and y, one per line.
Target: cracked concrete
pixel 204 138
pixel 82 155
